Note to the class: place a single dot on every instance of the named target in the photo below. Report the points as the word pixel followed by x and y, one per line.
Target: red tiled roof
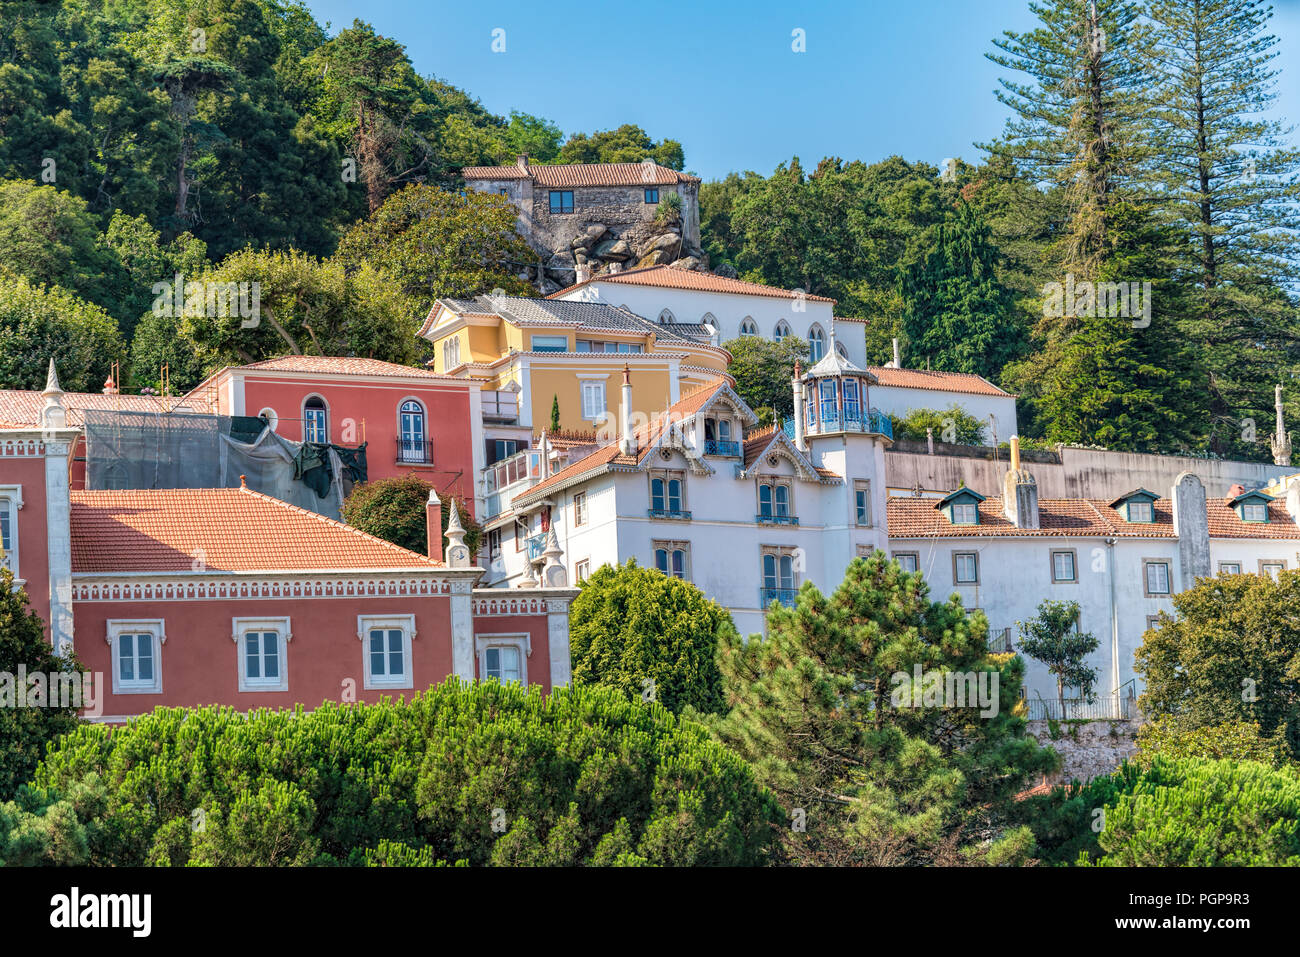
pixel 1064 517
pixel 21 408
pixel 584 174
pixel 939 381
pixel 666 277
pixel 756 443
pixel 645 436
pixel 230 530
pixel 344 365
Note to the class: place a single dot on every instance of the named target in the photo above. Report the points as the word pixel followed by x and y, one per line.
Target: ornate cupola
pixel 831 398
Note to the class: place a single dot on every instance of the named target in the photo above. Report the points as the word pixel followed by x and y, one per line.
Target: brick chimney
pixel 433 516
pixel 522 161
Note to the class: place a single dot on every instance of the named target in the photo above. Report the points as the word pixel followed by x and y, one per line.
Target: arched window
pixel 666 316
pixel 412 446
pixel 782 330
pixel 816 344
pixel 839 347
pixel 709 320
pixel 450 354
pixel 748 327
pixel 315 424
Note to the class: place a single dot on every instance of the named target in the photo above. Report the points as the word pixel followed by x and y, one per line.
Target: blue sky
pixel 876 79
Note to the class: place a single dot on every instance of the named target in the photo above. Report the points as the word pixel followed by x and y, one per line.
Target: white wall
pixel 893 400
pixel 729 310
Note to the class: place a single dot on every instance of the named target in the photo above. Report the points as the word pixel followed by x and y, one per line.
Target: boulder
pixel 686 262
pixel 669 244
pixel 613 249
pixel 727 271
pixel 652 258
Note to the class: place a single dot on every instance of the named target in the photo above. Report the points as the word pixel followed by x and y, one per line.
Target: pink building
pixel 228 596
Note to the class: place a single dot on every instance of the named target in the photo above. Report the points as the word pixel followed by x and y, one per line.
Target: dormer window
pixel 961 507
pixel 1137 506
pixel 1251 506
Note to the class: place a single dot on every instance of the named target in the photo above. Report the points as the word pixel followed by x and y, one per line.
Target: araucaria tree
pixel 868 775
pixel 650 635
pixel 1054 638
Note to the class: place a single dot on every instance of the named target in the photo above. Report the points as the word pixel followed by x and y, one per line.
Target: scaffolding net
pixel 158 450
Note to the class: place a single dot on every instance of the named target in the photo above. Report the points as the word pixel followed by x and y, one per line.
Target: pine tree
pixel 823 709
pixel 1231 182
pixel 957 314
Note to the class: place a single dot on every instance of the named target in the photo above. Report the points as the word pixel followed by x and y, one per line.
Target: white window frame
pixel 403 623
pixel 116 627
pixel 816 344
pixel 11 500
pixel 1147 563
pixel 862 487
pixel 239 628
pixel 780 330
pixel 1266 563
pixel 523 643
pixel 1254 508
pixel 582 570
pixel 580 514
pixel 959 517
pixel 1148 508
pixel 748 327
pixel 1234 565
pixel 589 413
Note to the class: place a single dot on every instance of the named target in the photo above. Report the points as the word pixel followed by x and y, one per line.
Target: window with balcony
pixel 561 200
pixel 774 502
pixel 717 438
pixel 413 446
pixel 668 495
pixel 778 577
pixel 673 559
pixel 314 421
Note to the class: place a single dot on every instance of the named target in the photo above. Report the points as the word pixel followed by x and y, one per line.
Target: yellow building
pixel 530 354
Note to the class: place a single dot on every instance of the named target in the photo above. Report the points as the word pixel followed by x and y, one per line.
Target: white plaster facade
pixel 997 412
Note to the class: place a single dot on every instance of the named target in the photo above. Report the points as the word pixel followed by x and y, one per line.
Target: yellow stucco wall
pixel 650 393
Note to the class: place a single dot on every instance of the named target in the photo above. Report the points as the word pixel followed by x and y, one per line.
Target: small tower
pixel 833 394
pixel 457 551
pixel 1281 441
pixel 53 415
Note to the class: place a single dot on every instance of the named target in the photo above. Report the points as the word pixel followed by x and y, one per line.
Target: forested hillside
pixel 235 140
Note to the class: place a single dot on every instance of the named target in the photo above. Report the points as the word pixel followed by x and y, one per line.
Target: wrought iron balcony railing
pixel 718 447
pixel 776 519
pixel 782 596
pixel 676 513
pixel 413 452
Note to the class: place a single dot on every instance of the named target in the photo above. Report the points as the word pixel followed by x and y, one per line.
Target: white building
pixel 898 391
pixel 731 307
pixel 748 514
pixel 1121 560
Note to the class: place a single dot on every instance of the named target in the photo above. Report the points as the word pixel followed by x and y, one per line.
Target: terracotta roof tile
pixel 343 365
pixel 940 381
pixel 566 175
pixel 666 277
pixel 1064 517
pixel 756 443
pixel 645 436
pixel 21 408
pixel 231 530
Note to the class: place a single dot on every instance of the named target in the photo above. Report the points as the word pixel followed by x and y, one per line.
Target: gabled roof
pixel 935 381
pixel 762 442
pixel 957 494
pixel 1138 493
pixel 647 437
pixel 227 530
pixel 1251 494
pixel 565 175
pixel 666 277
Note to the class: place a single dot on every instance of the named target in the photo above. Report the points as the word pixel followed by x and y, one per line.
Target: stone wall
pixel 1088 749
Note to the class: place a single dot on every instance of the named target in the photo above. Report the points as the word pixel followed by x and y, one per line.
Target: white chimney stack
pixel 898 362
pixel 800 442
pixel 626 445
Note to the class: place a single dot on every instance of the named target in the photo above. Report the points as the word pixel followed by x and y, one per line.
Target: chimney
pixel 433 516
pixel 1236 490
pixel 582 272
pixel 110 387
pixel 929 440
pixel 625 443
pixel 1281 442
pixel 1293 500
pixel 1019 492
pixel 522 161
pixel 1192 526
pixel 800 442
pixel 898 362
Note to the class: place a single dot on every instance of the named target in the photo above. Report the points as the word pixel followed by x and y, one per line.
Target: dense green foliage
pixel 1186 812
pixel 812 707
pixel 394 509
pixel 952 425
pixel 39 323
pixel 484 774
pixel 1053 637
pixel 764 372
pixel 25 732
pixel 1232 653
pixel 649 635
